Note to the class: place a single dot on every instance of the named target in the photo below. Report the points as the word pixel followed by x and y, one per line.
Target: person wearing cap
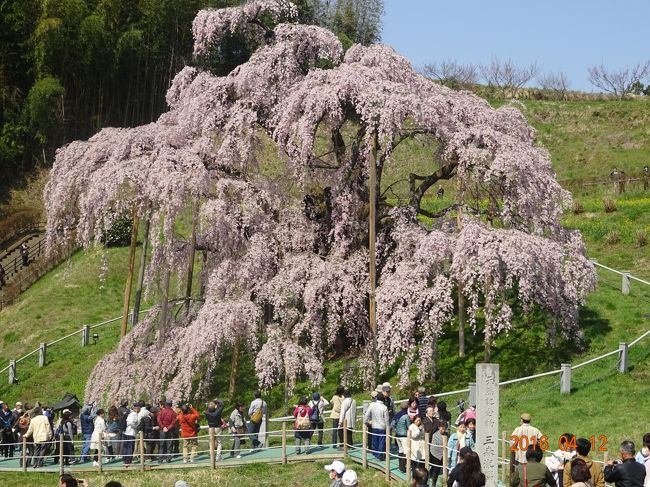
pixel 335 416
pixel 317 403
pixel 336 470
pixel 348 416
pixel 388 400
pixel 132 422
pixel 87 420
pixel 349 479
pixel 583 446
pixel 525 429
pixel 167 424
pixel 377 416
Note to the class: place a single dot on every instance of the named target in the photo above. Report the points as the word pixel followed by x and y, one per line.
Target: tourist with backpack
pixel 302 426
pixel 317 404
pixel 256 412
pixel 67 429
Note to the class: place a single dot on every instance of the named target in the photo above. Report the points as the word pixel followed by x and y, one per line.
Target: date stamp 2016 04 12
pixel 521 443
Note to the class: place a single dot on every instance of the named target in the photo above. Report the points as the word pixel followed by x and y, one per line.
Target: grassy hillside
pixel 576 133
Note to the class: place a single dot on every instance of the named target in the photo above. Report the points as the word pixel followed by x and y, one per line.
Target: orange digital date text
pixel 521 443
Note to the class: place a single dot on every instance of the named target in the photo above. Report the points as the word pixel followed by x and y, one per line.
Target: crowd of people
pixel 421 427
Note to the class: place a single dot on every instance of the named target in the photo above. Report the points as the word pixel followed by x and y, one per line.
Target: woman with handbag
pixel 237 429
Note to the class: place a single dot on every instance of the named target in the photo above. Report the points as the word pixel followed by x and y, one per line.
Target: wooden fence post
pixel 85 334
pixel 212 455
pixel 445 458
pixel 625 282
pixel 622 357
pixel 504 454
pixel 61 454
pixel 24 454
pixel 42 350
pixel 426 451
pixel 141 441
pixel 100 454
pixel 364 447
pixel 12 372
pixel 407 452
pixel 387 452
pixel 345 437
pixel 565 379
pixel 284 443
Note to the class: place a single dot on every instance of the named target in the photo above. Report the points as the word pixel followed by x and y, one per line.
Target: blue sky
pixel 568 35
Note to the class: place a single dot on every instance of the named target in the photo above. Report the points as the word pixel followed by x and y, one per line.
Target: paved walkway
pixel 272 454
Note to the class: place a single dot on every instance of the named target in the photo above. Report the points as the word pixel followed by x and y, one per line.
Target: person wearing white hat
pixel 377 417
pixel 336 470
pixel 350 479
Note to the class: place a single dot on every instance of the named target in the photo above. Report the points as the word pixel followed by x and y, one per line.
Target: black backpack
pixel 315 413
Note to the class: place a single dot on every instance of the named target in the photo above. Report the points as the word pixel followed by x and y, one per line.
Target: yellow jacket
pixel 39 429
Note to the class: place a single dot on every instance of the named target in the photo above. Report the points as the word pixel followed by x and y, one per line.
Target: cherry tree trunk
pixel 164 310
pixel 434 358
pixel 461 322
pixel 129 278
pixel 487 350
pixel 234 365
pixel 190 265
pixel 143 263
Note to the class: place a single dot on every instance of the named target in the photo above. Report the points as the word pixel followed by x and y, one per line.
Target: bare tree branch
pixel 508 76
pixel 452 74
pixel 555 81
pixel 618 82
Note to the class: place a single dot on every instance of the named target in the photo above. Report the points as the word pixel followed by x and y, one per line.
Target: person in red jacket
pixel 188 420
pixel 167 424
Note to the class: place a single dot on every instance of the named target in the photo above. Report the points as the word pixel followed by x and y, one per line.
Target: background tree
pixel 286 273
pixel 507 76
pixel 619 82
pixel 557 82
pixel 452 74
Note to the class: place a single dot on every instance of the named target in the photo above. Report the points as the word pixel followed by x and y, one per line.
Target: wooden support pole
pixel 143 263
pixel 345 438
pixel 407 452
pixel 426 451
pixel 100 454
pixel 267 439
pixel 129 277
pixel 445 459
pixel 213 463
pixel 372 271
pixel 504 456
pixel 364 447
pixel 141 442
pixel 284 443
pixel 61 459
pixel 387 452
pixel 190 264
pixel 24 454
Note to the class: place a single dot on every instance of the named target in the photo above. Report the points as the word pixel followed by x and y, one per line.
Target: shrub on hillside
pixel 612 237
pixel 577 207
pixel 609 205
pixel 641 238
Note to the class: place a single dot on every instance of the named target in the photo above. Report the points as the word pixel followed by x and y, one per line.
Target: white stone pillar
pixel 487 421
